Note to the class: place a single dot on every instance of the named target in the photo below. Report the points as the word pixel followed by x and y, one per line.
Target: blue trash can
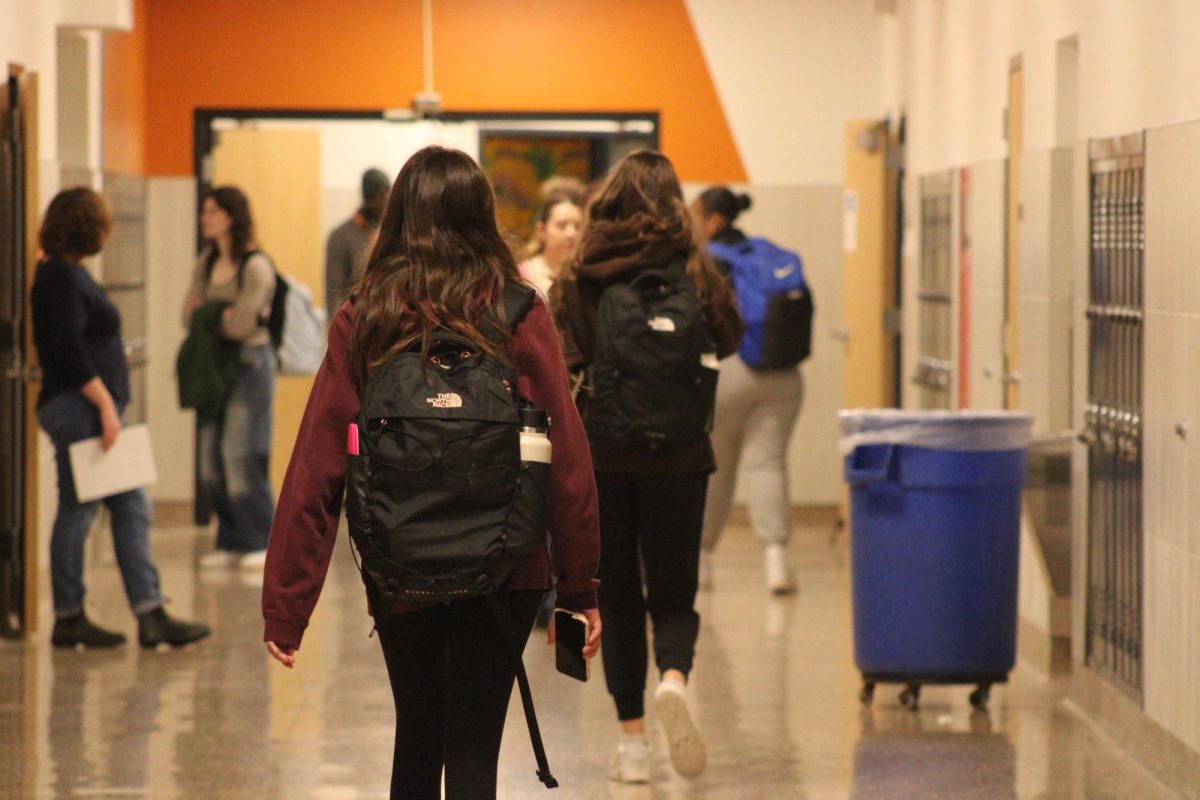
pixel 935 515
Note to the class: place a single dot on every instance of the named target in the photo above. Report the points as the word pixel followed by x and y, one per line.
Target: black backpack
pixel 439 505
pixel 654 374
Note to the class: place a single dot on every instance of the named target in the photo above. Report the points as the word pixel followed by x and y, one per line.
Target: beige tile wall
pixel 1172 461
pixel 985 225
pixel 170 255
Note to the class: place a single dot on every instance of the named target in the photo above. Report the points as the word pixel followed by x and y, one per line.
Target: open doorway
pixel 301 173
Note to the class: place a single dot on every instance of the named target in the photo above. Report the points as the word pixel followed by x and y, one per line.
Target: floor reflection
pixel 774 687
pixel 907 756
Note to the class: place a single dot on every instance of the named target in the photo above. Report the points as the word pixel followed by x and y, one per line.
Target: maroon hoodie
pixel 306 517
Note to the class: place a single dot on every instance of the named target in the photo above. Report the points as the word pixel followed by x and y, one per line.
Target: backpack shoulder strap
pixel 500 610
pixel 518 299
pixel 249 254
pixel 210 261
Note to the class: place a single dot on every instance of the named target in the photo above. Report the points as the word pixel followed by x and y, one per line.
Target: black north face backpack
pixel 654 374
pixel 439 505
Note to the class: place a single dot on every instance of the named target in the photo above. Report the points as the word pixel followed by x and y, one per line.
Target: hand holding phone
pixel 570 637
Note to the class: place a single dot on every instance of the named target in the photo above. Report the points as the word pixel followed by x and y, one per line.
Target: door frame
pixel 19 607
pixel 525 123
pixel 1014 135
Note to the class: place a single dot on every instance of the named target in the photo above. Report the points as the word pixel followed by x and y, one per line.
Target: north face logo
pixel 661 324
pixel 445 400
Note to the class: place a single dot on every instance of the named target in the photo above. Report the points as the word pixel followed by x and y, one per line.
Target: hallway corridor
pixel 774 684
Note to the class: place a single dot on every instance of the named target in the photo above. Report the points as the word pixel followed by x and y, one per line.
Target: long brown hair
pixel 439 264
pixel 643 188
pixel 233 201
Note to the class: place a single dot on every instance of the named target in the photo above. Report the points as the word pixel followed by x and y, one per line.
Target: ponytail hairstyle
pixel 439 263
pixel 720 200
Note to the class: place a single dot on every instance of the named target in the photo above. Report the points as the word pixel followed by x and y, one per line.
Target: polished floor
pixel 774 686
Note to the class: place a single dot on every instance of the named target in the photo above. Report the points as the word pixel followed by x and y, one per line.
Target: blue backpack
pixel 774 299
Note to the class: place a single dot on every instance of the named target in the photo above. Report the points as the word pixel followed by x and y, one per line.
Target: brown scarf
pixel 611 249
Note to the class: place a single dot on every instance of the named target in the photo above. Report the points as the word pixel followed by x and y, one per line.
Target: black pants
pixel 452 673
pixel 650 524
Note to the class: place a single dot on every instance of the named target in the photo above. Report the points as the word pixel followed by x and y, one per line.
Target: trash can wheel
pixel 867 693
pixel 979 697
pixel 910 698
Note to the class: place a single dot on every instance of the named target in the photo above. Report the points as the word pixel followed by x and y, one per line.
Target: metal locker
pixel 1113 414
pixel 935 366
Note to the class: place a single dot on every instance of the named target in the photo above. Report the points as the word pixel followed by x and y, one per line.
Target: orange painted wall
pixel 124 129
pixel 489 55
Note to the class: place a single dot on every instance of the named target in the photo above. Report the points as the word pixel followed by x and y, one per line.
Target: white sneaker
pixel 219 559
pixel 779 573
pixel 631 762
pixel 688 754
pixel 706 571
pixel 253 560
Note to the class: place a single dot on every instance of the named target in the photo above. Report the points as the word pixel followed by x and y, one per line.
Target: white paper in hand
pixel 128 464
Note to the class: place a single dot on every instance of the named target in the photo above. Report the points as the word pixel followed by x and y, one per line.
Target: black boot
pixel 78 631
pixel 155 628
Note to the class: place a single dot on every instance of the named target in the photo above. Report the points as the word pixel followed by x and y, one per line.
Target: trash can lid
pixel 938 430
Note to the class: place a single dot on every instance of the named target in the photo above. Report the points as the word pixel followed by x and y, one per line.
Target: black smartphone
pixel 570 635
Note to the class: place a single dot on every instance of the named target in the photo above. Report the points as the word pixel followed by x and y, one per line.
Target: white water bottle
pixel 535 436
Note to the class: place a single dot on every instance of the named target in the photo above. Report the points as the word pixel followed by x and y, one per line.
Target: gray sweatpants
pixel 755 414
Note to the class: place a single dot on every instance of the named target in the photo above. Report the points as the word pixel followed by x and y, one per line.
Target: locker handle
pixel 858 472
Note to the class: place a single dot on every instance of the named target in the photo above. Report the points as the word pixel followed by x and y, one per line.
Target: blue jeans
pixel 68 417
pixel 234 456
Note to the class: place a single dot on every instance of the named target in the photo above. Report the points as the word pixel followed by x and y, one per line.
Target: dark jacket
pixel 617 251
pixel 207 365
pixel 77 332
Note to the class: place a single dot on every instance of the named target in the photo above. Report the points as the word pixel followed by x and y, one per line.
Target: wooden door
pixel 868 266
pixel 1012 239
pixel 18 378
pixel 279 170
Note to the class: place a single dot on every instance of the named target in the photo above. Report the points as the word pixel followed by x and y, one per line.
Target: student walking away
pixel 761 389
pixel 349 244
pixel 645 315
pixel 435 365
pixel 85 387
pixel 232 288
